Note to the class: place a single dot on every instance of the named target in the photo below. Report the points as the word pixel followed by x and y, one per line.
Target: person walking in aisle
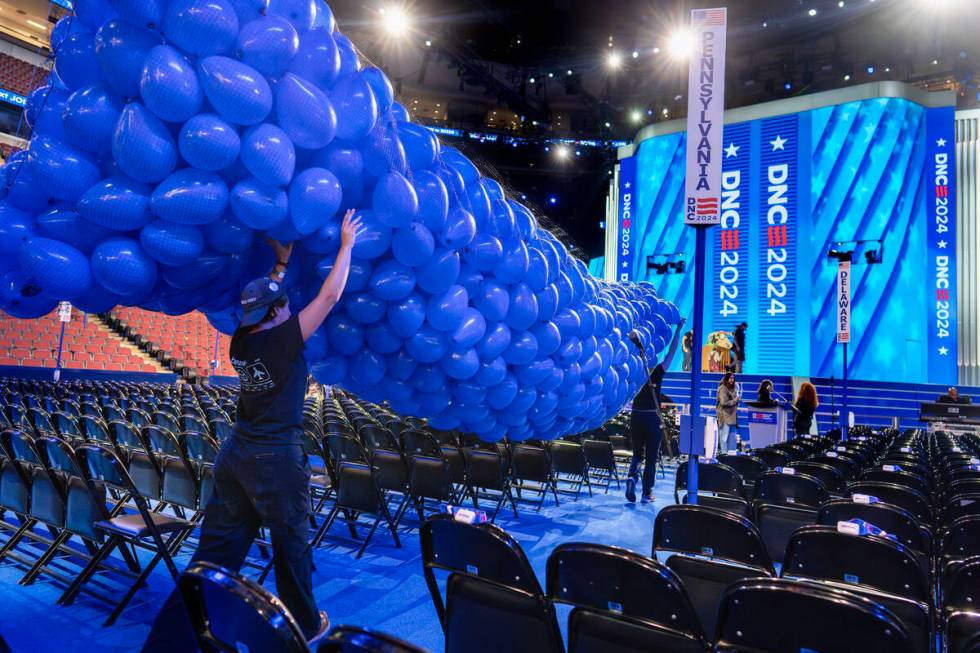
pixel 726 409
pixel 261 475
pixel 804 408
pixel 646 427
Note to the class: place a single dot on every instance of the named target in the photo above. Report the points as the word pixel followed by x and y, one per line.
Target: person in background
pixel 739 348
pixel 953 396
pixel 727 411
pixel 804 407
pixel 646 428
pixel 687 348
pixel 261 475
pixel 765 393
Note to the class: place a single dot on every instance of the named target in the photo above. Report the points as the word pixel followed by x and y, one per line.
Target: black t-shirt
pixel 272 372
pixel 644 399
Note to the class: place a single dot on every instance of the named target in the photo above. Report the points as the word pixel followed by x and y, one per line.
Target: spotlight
pixel 681 44
pixel 871 70
pixel 428 44
pixel 812 13
pixel 765 24
pixel 607 127
pixel 569 71
pixel 656 50
pixel 636 55
pixel 935 62
pixel 847 78
pixel 666 112
pixel 636 116
pixel 614 60
pixel 551 75
pixel 562 152
pixel 532 80
pixel 552 200
pixel 788 86
pixel 395 21
pixel 841 4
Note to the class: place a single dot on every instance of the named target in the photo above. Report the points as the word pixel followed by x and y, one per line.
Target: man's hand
pixel 282 250
pixel 350 230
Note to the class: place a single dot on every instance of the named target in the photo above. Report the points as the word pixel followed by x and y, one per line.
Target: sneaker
pixel 321 632
pixel 631 490
pixel 647 498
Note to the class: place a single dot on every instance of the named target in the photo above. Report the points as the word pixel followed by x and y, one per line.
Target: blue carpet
pixel 385 589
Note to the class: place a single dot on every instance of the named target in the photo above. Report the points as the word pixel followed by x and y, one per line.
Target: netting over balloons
pixel 175 136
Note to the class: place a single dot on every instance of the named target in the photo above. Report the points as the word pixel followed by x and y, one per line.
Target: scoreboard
pixel 793 185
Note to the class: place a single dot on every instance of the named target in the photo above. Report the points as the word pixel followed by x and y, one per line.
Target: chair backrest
pixel 897 495
pixel 599 454
pixel 961 539
pixel 748 467
pixel 486 469
pixel 390 470
pixel 898 477
pixel 232 613
pixel 713 477
pixel 568 457
pixel 531 463
pixel 773 457
pixel 622 590
pixel 773 616
pixel 821 552
pixel 831 477
pixel 357 487
pixel 891 519
pixel 200 447
pixel 375 437
pixel 341 447
pixel 790 489
pixel 101 464
pixel 351 639
pixel 710 533
pixel 416 442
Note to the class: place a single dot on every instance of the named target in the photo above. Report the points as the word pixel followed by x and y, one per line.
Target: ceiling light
pixel 847 78
pixel 395 21
pixel 569 71
pixel 841 4
pixel 812 13
pixel 562 152
pixel 532 80
pixel 636 55
pixel 656 50
pixel 614 60
pixel 636 115
pixel 681 44
pixel 428 44
pixel 666 111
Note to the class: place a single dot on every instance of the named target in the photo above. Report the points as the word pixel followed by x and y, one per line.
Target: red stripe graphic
pixel 942 295
pixel 942 191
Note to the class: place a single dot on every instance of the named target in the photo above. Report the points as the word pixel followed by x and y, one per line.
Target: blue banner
pixel 728 259
pixel 940 197
pixel 627 207
pixel 12 98
pixel 778 174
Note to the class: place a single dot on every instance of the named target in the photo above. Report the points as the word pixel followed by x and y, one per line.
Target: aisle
pixel 385 589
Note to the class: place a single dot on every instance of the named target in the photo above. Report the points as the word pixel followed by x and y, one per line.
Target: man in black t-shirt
pixel 646 429
pixel 261 475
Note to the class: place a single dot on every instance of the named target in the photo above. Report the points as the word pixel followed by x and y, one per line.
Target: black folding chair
pixel 351 639
pixel 490 582
pixel 709 549
pixel 960 595
pixel 533 471
pixel 748 467
pixel 600 459
pixel 889 518
pixel 570 466
pixel 622 601
pixel 231 614
pixel 783 503
pixel 904 497
pixel 719 486
pixel 358 494
pixel 775 616
pixel 143 528
pixel 487 471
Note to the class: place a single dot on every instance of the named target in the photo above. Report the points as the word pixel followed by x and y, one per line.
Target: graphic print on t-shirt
pixel 254 376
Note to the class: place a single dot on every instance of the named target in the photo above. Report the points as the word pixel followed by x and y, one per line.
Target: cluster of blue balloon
pixel 174 136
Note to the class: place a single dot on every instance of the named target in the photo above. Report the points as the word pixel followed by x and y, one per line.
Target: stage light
pixel 847 78
pixel 636 116
pixel 562 152
pixel 614 60
pixel 841 4
pixel 681 44
pixel 812 13
pixel 871 70
pixel 656 50
pixel 607 127
pixel 428 44
pixel 666 112
pixel 532 80
pixel 765 24
pixel 569 71
pixel 787 86
pixel 935 62
pixel 888 70
pixel 551 75
pixel 636 55
pixel 552 200
pixel 395 21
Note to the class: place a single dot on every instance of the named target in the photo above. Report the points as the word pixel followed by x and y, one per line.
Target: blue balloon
pixel 324 17
pixel 407 315
pixel 537 270
pixel 413 245
pixel 439 271
pixel 495 342
pixel 238 92
pixel 433 200
pixel 400 113
pixel 62 29
pixel 524 221
pixel 548 337
pixel 471 329
pixel 395 201
pixel 522 350
pixel 314 197
pixel 121 49
pixel 117 203
pixel 142 13
pixel 90 117
pixel 122 267
pixel 445 312
pixel 427 345
pixel 142 146
pixel 491 372
pixel 170 243
pixel 318 59
pixel 360 273
pixel 45 107
pixel 345 335
pixel 382 339
pixel 325 240
pixel 514 263
pixel 190 196
pixel 375 239
pixel 258 205
pixel 268 44
pixel 523 311
pixel 64 172
pixel 201 27
pixel 76 63
pixel 502 219
pixel 60 269
pixel 22 298
pixel 421 145
pixel 269 155
pixel 169 85
pixel 356 107
pixel 367 367
pixel 227 235
pixel 305 113
pixel 69 227
pixel 198 273
pixel 383 153
pixel 349 61
pixel 493 301
pixel 93 13
pixel 392 281
pixel 209 143
pixel 459 163
pixel 384 93
pixel 331 371
pixel 365 308
pixel 95 299
pixel 301 13
pixel 460 229
pixel 461 364
pixel 249 10
pixel 484 253
pixel 21 189
pixel 345 163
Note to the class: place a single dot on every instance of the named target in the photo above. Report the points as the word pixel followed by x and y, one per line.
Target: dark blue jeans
pixel 254 485
pixel 647 434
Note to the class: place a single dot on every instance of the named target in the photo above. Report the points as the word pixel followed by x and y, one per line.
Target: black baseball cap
pixel 257 297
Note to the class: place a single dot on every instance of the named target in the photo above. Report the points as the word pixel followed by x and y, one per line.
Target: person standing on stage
pixel 739 348
pixel 953 396
pixel 727 412
pixel 687 348
pixel 261 475
pixel 646 427
pixel 804 408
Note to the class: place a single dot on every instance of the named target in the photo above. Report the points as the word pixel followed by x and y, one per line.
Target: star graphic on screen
pixel 778 144
pixel 625 264
pixel 943 351
pixel 628 185
pixel 731 150
pixel 941 142
pixel 942 244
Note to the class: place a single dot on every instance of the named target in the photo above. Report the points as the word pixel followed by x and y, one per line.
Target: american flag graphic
pixel 709 17
pixel 707 205
pixel 729 239
pixel 777 236
pixel 942 294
